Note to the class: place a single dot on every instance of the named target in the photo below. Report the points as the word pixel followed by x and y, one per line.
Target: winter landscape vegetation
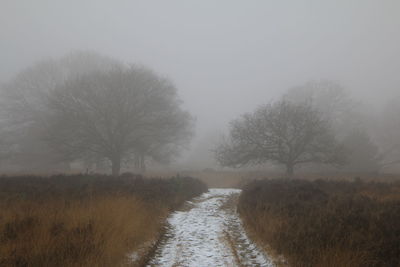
pixel 200 133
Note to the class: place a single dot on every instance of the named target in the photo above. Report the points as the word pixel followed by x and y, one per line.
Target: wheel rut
pixel 208 232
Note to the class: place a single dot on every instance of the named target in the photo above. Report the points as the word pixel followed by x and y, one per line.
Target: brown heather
pixel 325 223
pixel 84 220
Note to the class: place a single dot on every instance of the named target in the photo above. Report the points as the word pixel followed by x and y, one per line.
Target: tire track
pixel 209 233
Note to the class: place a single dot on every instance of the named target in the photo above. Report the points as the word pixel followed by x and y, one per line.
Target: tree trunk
pixel 289 170
pixel 116 166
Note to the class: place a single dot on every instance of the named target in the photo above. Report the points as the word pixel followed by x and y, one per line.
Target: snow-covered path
pixel 208 233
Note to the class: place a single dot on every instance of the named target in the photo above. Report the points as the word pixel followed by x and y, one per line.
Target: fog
pixel 225 57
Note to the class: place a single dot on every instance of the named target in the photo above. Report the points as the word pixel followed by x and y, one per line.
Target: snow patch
pixel 197 237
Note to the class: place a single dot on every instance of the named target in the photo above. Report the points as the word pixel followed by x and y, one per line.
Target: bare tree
pixel 23 108
pixel 117 115
pixel 283 132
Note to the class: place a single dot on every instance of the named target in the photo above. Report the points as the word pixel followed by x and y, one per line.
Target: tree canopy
pixel 117 115
pixel 91 108
pixel 283 132
pixel 24 107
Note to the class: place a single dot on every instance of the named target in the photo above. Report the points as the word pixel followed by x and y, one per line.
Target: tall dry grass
pixel 325 223
pixel 84 220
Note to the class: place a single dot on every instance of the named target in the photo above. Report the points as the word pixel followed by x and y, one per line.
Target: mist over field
pixel 201 133
pixel 225 57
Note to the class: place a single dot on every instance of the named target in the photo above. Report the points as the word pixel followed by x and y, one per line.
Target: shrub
pixel 84 220
pixel 325 223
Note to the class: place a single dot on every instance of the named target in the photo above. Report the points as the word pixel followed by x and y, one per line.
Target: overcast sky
pixel 226 57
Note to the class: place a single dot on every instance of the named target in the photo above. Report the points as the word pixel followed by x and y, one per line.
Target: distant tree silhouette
pixel 282 132
pixel 118 115
pixel 24 107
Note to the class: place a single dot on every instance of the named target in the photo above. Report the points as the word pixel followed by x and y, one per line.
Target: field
pixel 239 178
pixel 97 220
pixel 83 220
pixel 325 223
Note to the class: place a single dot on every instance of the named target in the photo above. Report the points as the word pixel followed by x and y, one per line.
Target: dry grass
pixel 98 232
pixel 325 223
pixel 218 179
pixel 238 178
pixel 84 221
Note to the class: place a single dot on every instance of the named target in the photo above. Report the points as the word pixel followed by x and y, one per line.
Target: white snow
pixel 197 237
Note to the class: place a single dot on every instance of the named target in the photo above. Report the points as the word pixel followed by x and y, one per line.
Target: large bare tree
pixel 23 107
pixel 117 115
pixel 283 132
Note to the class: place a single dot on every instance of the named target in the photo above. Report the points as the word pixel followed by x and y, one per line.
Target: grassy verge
pixel 325 223
pixel 84 220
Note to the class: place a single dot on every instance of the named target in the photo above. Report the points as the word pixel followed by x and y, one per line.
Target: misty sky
pixel 226 57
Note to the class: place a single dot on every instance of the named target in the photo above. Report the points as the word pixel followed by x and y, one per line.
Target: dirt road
pixel 208 233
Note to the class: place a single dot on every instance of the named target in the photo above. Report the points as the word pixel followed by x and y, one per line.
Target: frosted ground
pixel 208 232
